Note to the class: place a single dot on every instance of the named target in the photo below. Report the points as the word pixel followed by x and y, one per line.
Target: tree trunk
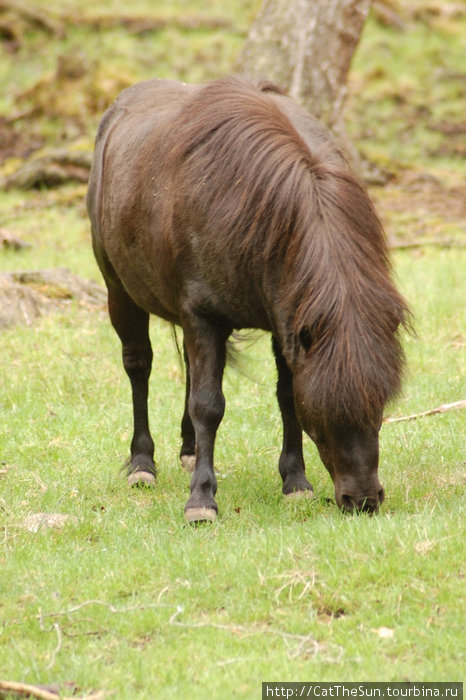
pixel 306 46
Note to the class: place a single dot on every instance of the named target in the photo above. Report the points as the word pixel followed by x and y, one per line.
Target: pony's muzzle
pixel 358 502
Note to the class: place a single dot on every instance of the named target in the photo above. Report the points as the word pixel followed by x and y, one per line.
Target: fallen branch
pixel 26 296
pixel 24 114
pixel 445 242
pixel 143 24
pixel 51 169
pixel 40 18
pixel 440 409
pixel 385 13
pixel 9 240
pixel 25 690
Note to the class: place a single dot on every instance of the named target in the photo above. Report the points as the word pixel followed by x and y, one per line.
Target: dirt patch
pixel 76 90
pixel 17 19
pixel 425 191
pixel 26 296
pixel 16 144
pixel 51 169
pixel 420 207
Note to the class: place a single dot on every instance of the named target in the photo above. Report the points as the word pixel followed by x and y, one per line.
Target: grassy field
pixel 124 597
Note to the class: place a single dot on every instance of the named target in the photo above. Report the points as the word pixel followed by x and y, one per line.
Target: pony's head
pixel 348 449
pixel 342 339
pixel 347 364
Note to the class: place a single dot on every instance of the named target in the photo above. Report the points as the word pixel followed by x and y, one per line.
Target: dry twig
pixel 443 242
pixel 306 643
pixel 25 690
pixel 440 409
pixel 142 24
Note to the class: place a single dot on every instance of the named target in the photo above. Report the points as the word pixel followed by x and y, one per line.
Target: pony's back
pixel 278 190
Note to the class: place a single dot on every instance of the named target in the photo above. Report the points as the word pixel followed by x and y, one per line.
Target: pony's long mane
pixel 251 175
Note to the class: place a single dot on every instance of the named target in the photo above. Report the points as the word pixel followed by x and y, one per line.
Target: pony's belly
pixel 238 306
pixel 148 288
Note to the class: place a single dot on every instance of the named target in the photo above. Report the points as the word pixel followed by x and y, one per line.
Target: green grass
pixel 129 599
pixel 270 591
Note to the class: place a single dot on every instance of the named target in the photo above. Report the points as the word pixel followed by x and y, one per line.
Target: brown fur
pixel 248 173
pixel 227 206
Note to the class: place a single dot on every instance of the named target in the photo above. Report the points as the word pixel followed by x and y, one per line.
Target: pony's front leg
pixel 205 347
pixel 291 462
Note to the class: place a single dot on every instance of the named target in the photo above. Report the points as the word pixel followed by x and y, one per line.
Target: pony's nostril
pixel 364 505
pixel 369 505
pixel 347 502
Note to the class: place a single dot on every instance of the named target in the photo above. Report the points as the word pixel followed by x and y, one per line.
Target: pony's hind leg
pixel 188 436
pixel 291 462
pixel 205 346
pixel 132 326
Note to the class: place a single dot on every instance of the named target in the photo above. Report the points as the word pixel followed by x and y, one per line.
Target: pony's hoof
pixel 141 478
pixel 298 495
pixel 200 515
pixel 188 462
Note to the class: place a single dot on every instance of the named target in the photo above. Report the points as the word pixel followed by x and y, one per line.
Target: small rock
pixel 38 521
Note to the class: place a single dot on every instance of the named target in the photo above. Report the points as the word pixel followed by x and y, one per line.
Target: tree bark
pixel 306 47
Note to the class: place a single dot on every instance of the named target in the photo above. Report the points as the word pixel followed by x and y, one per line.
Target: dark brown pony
pixel 226 206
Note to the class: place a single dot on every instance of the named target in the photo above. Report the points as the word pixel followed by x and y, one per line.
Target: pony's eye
pixel 305 338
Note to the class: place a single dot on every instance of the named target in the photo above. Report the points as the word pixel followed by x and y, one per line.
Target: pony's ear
pixel 395 320
pixel 305 338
